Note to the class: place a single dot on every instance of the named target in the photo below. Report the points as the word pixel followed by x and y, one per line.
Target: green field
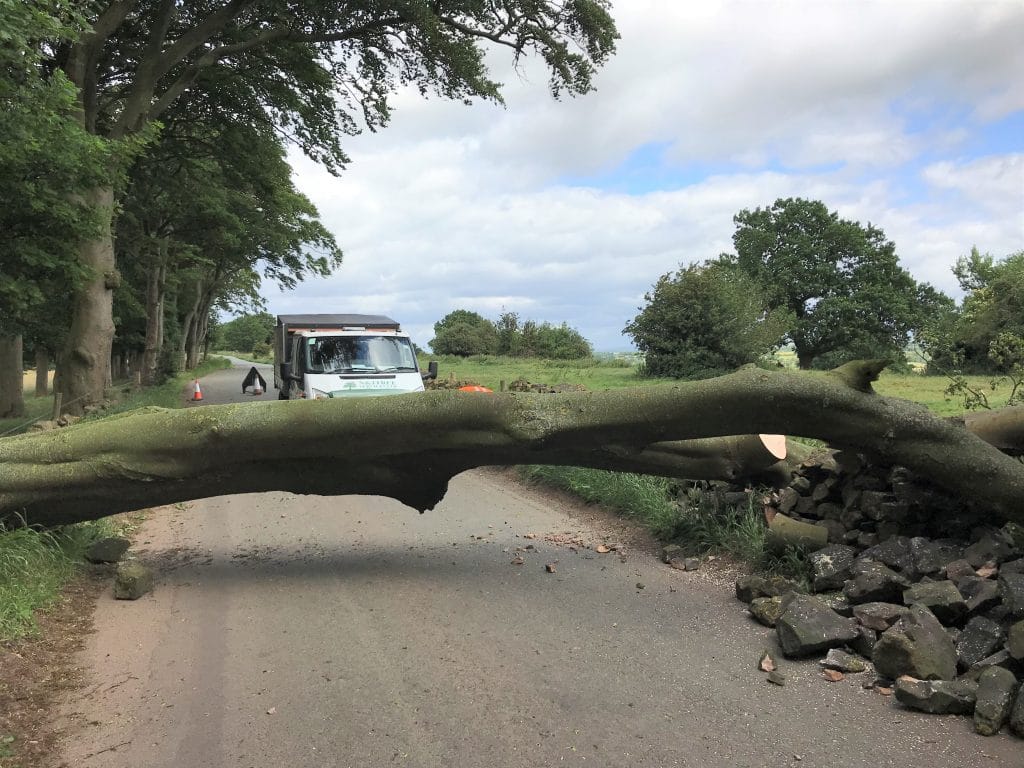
pixel 490 371
pixel 611 374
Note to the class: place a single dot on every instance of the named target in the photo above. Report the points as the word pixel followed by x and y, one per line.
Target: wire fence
pixel 58 405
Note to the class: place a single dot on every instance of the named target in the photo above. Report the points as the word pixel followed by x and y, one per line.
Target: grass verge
pixel 166 395
pixel 679 512
pixel 35 564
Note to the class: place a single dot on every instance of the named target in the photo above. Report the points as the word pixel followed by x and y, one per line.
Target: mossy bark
pixel 409 446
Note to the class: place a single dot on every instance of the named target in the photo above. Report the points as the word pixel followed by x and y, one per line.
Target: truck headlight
pixel 321 395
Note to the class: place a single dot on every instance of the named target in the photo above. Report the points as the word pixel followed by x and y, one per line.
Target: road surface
pixel 352 631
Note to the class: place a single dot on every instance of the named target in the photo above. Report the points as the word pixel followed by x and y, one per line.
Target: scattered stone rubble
pixel 132 579
pixel 518 385
pixel 923 586
pixel 522 385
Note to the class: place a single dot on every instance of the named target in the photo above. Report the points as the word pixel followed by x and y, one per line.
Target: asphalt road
pixel 352 631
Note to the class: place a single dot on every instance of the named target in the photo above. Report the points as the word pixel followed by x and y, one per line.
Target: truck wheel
pixel 282 395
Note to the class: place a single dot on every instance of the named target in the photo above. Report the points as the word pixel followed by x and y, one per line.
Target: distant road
pixel 307 632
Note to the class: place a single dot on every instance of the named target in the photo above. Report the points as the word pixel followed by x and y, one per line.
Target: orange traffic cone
pixel 197 393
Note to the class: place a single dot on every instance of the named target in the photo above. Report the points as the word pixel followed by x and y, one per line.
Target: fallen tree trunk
pixel 408 447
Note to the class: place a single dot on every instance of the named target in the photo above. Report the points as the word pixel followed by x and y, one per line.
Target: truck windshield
pixel 359 354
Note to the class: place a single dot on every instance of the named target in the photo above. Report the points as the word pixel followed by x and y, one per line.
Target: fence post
pixel 57 397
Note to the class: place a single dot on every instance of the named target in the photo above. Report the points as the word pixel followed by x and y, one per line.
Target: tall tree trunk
pixel 117 368
pixel 202 324
pixel 188 326
pixel 85 362
pixel 12 398
pixel 804 360
pixel 192 347
pixel 42 371
pixel 154 322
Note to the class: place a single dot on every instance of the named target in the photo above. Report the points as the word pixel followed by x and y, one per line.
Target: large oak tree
pixel 841 281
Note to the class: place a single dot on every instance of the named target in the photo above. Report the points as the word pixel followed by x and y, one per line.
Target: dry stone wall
pixel 929 589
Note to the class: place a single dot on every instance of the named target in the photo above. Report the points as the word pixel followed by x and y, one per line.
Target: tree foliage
pixel 705 320
pixel 528 338
pixel 985 334
pixel 465 333
pixel 44 155
pixel 993 306
pixel 211 212
pixel 841 281
pixel 245 332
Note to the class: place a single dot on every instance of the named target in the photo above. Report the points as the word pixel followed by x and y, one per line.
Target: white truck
pixel 326 356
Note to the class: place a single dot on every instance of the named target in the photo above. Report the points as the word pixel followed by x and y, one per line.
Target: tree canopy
pixel 993 305
pixel 465 333
pixel 307 71
pixel 985 334
pixel 841 281
pixel 704 320
pixel 44 154
pixel 245 332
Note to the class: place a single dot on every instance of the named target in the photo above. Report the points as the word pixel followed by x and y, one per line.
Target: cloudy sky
pixel 908 115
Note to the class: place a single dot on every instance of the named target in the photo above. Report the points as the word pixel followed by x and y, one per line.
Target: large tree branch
pixel 81 63
pixel 275 34
pixel 157 61
pixel 198 35
pixel 408 447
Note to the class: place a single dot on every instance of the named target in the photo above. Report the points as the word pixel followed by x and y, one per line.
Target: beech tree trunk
pixel 155 280
pixel 408 447
pixel 188 325
pixel 12 397
pixel 42 371
pixel 85 361
pixel 197 326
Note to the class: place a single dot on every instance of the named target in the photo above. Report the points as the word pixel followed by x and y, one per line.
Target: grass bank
pixel 679 512
pixel 35 564
pixel 490 370
pixel 166 395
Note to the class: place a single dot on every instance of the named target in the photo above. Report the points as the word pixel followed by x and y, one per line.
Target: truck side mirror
pixel 431 371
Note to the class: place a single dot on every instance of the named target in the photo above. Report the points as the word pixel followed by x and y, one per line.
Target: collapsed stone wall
pixel 925 587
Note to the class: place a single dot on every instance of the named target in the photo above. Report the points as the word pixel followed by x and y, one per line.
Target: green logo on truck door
pixel 371 387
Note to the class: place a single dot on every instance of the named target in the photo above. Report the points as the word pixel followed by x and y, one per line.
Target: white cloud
pixel 456 206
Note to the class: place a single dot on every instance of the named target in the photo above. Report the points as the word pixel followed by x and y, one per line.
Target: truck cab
pixel 328 356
